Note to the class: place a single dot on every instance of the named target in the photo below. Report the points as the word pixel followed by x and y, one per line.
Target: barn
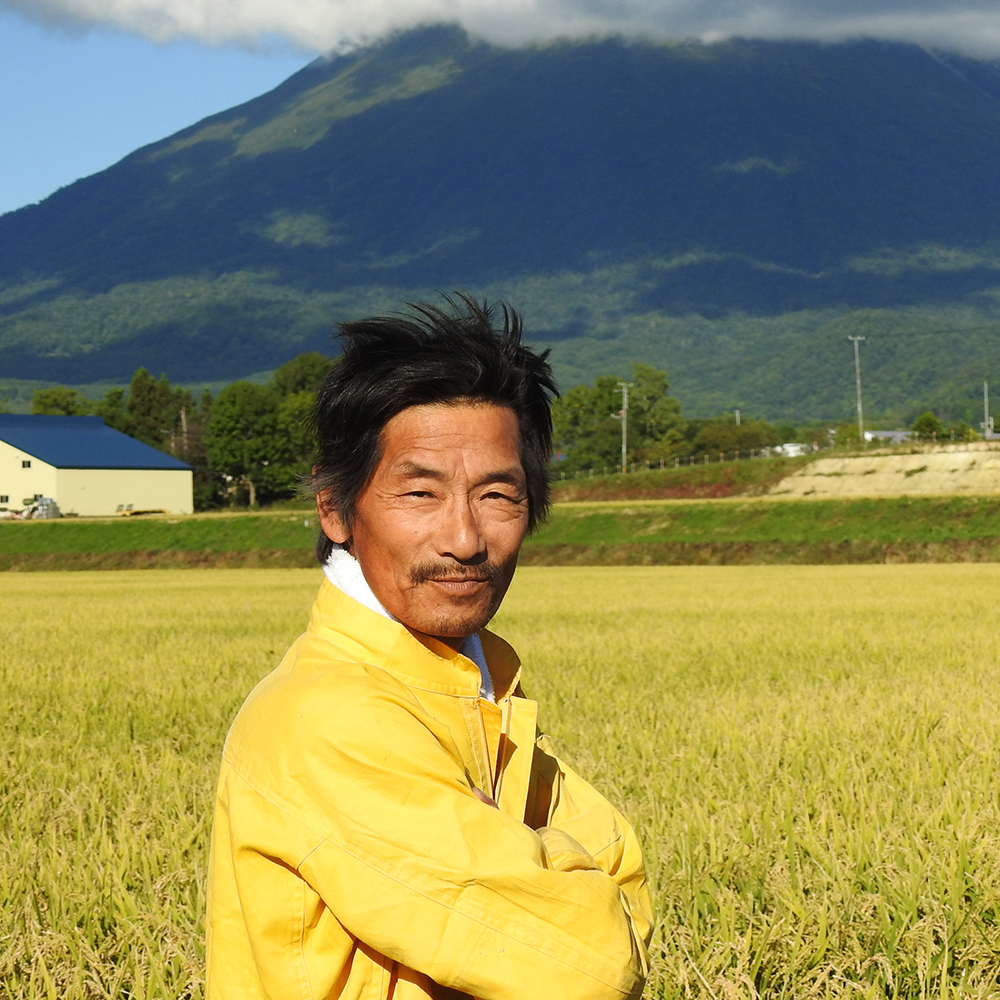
pixel 87 467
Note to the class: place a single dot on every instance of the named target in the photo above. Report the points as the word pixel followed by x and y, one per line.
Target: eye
pixel 501 495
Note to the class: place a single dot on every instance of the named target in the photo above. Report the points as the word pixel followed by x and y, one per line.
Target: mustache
pixel 455 572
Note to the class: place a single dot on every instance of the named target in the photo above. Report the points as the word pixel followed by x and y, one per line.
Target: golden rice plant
pixel 117 689
pixel 808 754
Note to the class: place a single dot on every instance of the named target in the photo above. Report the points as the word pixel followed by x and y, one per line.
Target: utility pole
pixel 622 415
pixel 987 421
pixel 857 379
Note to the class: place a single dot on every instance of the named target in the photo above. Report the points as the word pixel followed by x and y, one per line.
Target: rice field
pixel 808 753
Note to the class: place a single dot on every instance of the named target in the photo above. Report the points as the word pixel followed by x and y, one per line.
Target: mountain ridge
pixel 725 192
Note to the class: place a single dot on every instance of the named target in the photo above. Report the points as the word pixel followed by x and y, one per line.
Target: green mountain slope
pixel 729 212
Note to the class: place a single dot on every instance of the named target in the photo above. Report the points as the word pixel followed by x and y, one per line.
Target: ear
pixel 330 520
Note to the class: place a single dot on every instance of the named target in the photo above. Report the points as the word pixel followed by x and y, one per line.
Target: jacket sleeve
pixel 416 867
pixel 585 829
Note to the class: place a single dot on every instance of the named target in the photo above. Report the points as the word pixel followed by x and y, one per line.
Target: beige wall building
pixel 87 468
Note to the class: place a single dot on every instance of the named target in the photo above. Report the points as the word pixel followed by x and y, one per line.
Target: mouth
pixel 459 584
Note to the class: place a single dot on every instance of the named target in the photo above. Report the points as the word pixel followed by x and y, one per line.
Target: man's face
pixel 439 526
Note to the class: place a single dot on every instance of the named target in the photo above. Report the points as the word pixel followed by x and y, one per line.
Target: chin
pixel 453 619
pixel 459 625
pixel 461 630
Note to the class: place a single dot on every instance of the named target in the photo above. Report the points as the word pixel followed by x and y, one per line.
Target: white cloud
pixel 971 26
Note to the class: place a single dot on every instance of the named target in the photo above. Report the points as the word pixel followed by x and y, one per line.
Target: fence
pixel 705 458
pixel 912 446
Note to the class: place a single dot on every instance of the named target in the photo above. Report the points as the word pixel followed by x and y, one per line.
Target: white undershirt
pixel 344 572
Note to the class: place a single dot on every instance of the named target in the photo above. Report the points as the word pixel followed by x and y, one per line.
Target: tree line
pixel 587 430
pixel 588 433
pixel 250 444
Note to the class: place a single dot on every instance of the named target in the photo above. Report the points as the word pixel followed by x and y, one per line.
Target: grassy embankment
pixel 746 532
pixel 243 538
pixel 808 755
pixel 589 531
pixel 710 481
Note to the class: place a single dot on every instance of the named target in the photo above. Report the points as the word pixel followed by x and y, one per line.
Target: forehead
pixel 477 431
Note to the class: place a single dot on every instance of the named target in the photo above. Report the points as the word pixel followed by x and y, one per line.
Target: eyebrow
pixel 410 470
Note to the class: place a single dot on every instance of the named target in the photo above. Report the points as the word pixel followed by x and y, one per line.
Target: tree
pixel 655 421
pixel 927 426
pixel 190 444
pixel 152 409
pixel 170 419
pixel 111 410
pixel 243 438
pixel 258 436
pixel 724 435
pixel 60 402
pixel 584 430
pixel 261 436
pixel 962 430
pixel 304 373
pixel 588 435
pixel 298 451
pixel 846 433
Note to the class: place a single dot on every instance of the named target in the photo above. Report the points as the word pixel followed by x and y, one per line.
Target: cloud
pixel 970 26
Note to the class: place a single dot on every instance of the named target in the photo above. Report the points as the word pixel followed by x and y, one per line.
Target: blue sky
pixel 73 102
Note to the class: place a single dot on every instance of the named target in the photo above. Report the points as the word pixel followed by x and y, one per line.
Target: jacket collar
pixel 424 663
pixel 345 573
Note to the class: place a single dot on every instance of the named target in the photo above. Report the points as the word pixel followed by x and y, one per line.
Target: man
pixel 389 823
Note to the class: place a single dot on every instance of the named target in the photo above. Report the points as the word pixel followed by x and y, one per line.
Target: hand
pixel 483 797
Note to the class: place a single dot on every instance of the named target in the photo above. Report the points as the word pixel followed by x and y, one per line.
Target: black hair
pixel 430 355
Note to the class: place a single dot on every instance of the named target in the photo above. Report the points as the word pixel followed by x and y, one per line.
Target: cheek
pixel 510 535
pixel 390 556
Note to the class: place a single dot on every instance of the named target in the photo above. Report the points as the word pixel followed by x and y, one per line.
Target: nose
pixel 459 533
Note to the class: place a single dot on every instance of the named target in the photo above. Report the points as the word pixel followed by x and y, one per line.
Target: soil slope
pixel 962 469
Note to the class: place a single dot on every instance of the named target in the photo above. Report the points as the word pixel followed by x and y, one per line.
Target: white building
pixel 87 467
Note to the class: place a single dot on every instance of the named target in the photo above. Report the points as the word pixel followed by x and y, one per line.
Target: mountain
pixel 730 212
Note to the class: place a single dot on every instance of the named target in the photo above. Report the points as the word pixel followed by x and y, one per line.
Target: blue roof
pixel 81 443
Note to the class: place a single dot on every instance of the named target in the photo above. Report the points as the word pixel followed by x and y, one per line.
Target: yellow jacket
pixel 351 858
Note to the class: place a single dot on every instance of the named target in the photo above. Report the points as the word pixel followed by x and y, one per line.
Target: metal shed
pixel 87 467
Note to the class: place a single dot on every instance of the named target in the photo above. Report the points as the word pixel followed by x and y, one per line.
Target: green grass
pixel 237 532
pixel 917 519
pixel 808 755
pixel 923 529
